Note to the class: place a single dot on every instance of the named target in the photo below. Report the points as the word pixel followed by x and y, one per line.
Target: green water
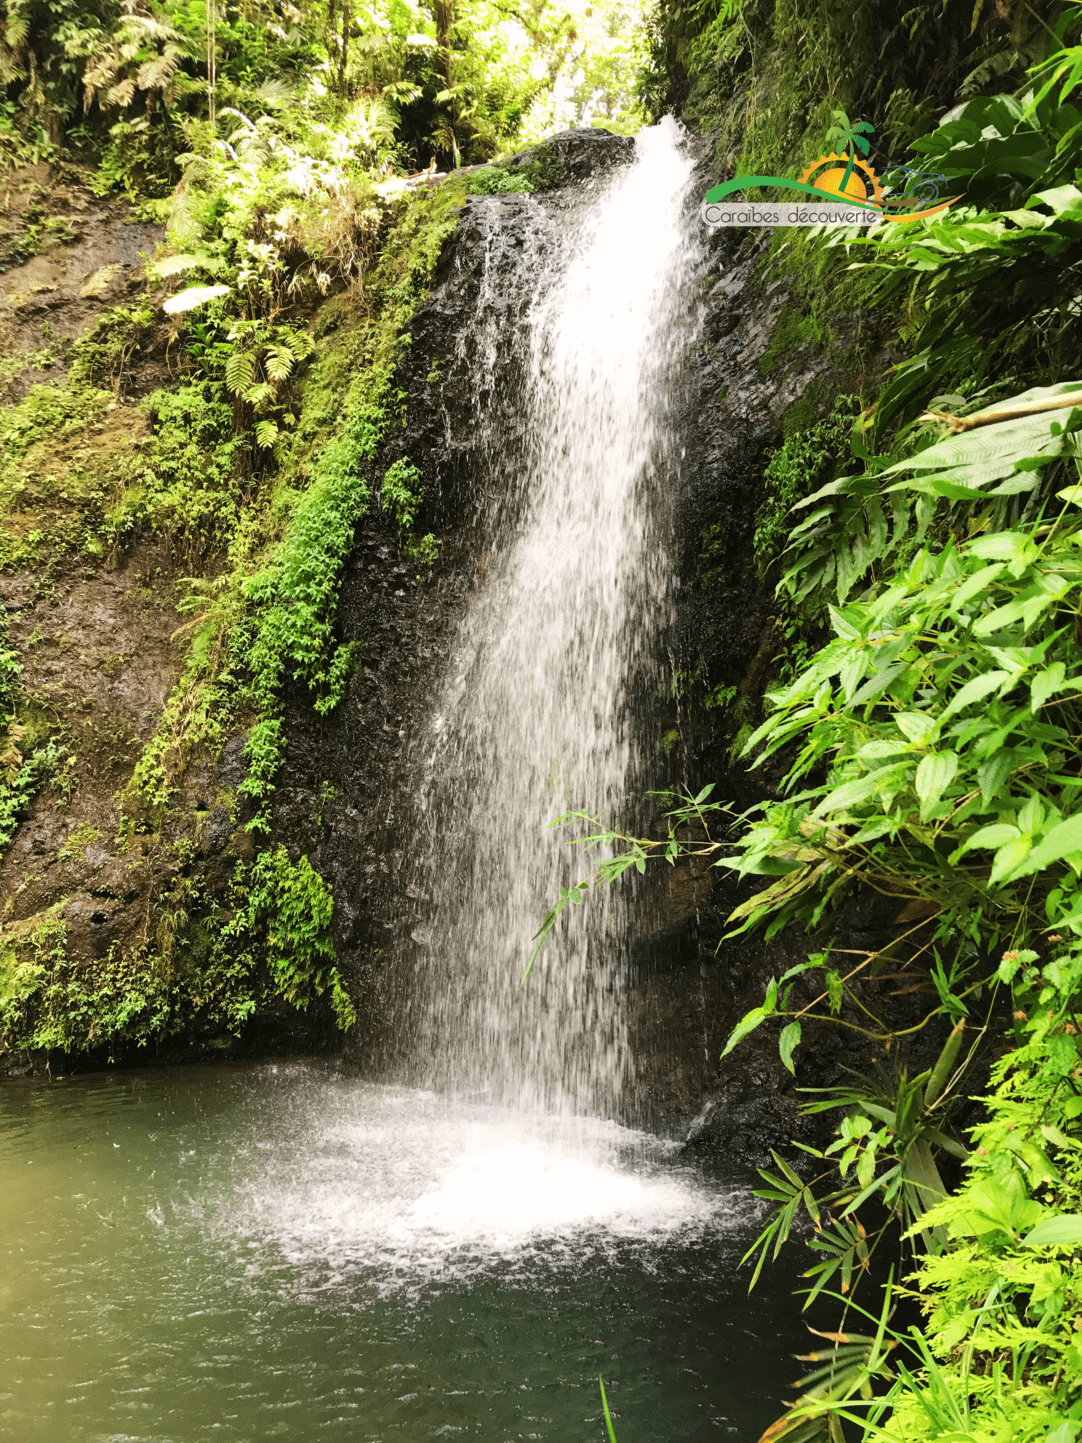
pixel 289 1252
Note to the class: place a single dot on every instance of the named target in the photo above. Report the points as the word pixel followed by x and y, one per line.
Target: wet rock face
pixel 696 986
pixel 99 653
pixel 344 795
pixel 576 157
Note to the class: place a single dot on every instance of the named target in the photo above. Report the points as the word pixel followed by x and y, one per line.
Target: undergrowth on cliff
pixel 273 147
pixel 267 619
pixel 214 961
pixel 765 78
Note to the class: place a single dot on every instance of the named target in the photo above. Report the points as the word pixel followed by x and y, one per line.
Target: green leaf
pixel 748 1023
pixel 934 775
pixel 993 773
pixel 239 370
pixel 874 1186
pixel 194 296
pixel 1009 858
pixel 973 692
pixel 1065 1433
pixel 1046 683
pixel 1060 842
pixel 787 1042
pixel 605 1406
pixel 1062 1231
pixel 918 726
pixel 941 1071
pixel 835 990
pixel 857 790
pixel 979 582
pixel 992 837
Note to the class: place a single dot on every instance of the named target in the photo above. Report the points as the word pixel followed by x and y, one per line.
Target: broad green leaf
pixel 1046 683
pixel 877 750
pixel 1065 1433
pixel 1054 846
pixel 194 296
pixel 993 773
pixel 918 726
pixel 1059 199
pixel 1009 858
pixel 842 627
pixel 1004 546
pixel 1024 436
pixel 747 1024
pixel 934 775
pixel 1062 1231
pixel 1001 618
pixel 978 582
pixel 857 790
pixel 992 837
pixel 787 1042
pixel 973 692
pixel 952 487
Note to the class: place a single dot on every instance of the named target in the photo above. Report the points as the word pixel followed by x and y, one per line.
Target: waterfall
pixel 536 714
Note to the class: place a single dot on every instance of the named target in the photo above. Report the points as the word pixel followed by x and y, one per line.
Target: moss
pixel 73 849
pixel 281 532
pixel 793 330
pixel 809 406
pixel 496 180
pixel 64 448
pixel 810 456
pixel 544 169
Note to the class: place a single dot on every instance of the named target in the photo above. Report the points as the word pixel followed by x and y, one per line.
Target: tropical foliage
pixel 455 81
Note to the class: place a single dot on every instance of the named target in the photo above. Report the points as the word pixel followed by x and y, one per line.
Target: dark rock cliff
pixel 463 428
pixel 344 795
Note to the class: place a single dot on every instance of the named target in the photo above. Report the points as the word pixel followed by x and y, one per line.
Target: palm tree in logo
pixel 849 136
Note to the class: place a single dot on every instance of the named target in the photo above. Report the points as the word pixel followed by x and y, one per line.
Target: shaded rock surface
pixel 88 257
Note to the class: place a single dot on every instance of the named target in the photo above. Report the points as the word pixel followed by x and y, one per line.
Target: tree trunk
pixel 343 55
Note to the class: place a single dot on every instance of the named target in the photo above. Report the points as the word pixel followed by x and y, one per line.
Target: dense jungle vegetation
pixel 925 527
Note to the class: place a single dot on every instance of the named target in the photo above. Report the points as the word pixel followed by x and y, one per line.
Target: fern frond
pixel 279 363
pixel 259 395
pixel 154 74
pixel 239 370
pixel 121 94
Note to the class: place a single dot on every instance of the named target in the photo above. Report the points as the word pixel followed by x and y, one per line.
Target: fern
pixel 261 394
pixel 239 372
pixel 279 363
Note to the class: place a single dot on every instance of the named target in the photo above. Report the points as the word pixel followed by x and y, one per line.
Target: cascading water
pixel 536 716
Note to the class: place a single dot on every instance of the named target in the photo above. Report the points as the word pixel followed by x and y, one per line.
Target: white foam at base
pixel 410 1188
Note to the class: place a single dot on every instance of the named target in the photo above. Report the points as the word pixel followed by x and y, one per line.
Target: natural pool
pixel 290 1252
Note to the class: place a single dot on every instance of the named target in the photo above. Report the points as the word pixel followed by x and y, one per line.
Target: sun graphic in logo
pixel 829 170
